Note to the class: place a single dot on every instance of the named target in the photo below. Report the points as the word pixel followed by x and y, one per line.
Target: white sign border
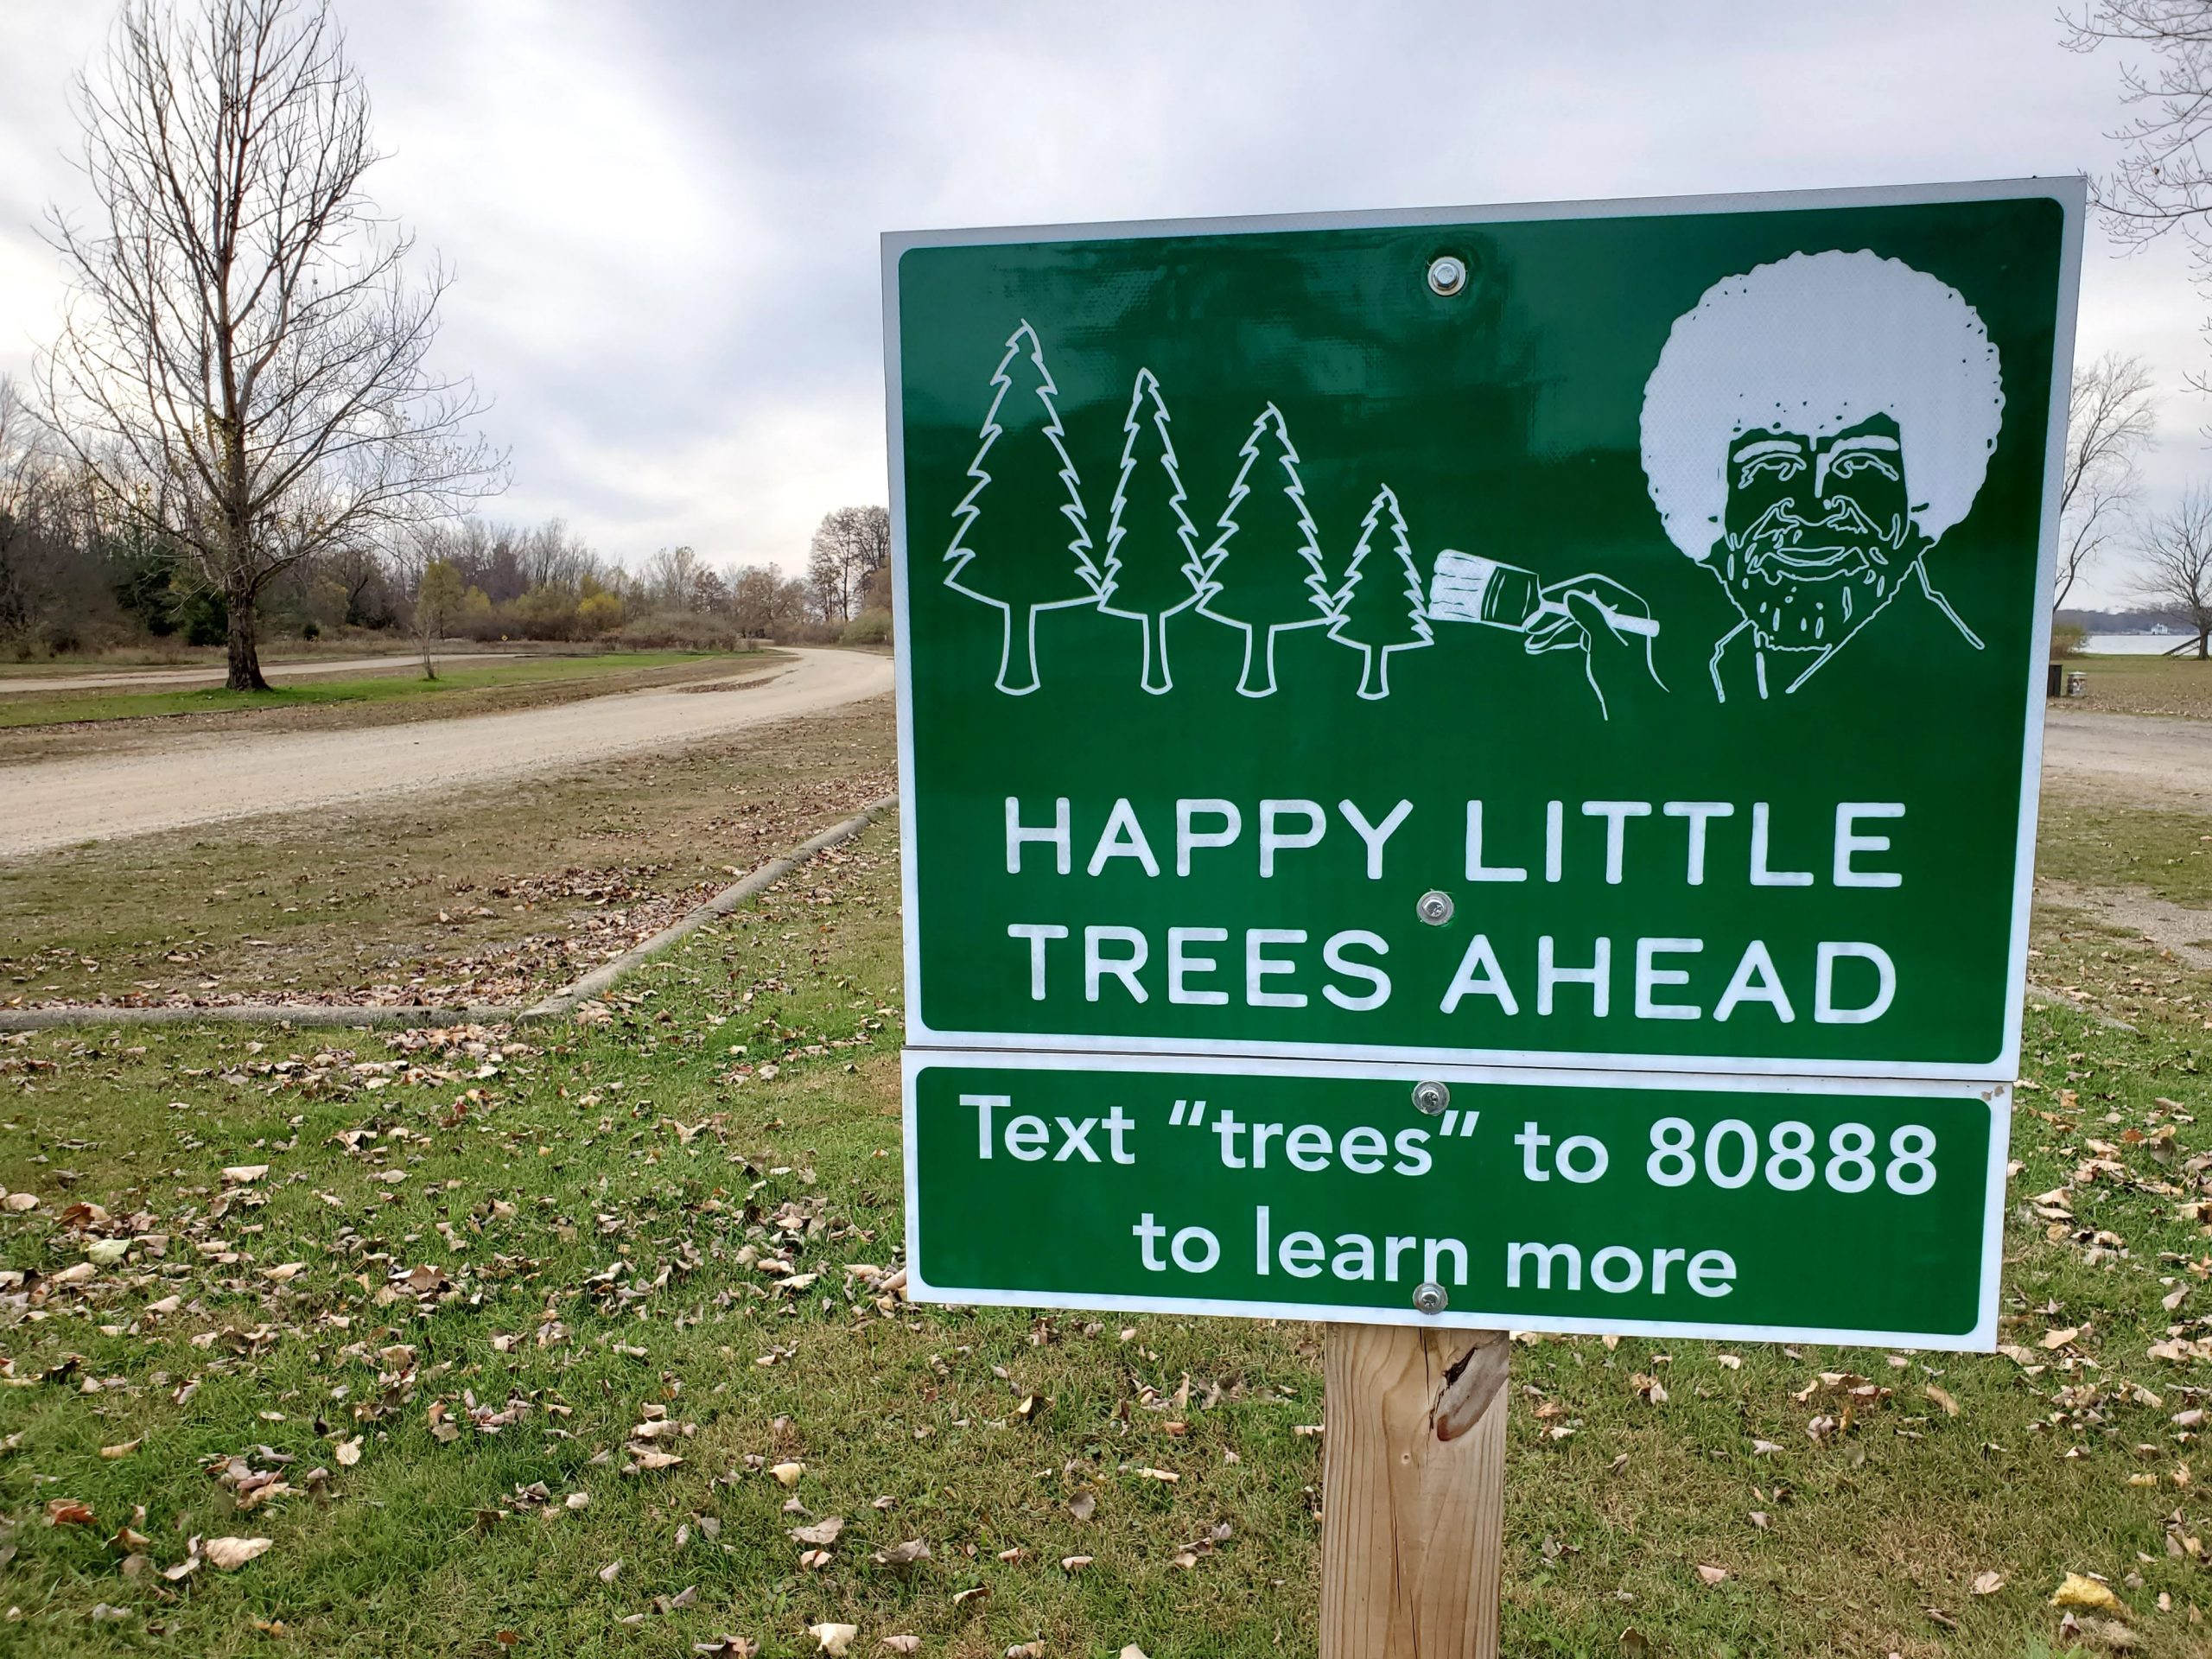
pixel 1982 1338
pixel 2069 192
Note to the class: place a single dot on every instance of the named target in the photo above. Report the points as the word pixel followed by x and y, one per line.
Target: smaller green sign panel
pixel 1529 1200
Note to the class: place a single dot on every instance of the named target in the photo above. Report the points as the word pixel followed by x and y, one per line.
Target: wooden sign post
pixel 1413 1492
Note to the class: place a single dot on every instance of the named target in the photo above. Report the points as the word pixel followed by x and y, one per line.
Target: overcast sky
pixel 664 216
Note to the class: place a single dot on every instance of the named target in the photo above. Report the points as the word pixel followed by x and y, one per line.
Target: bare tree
pixel 2164 180
pixel 22 469
pixel 850 545
pixel 2111 416
pixel 242 326
pixel 670 578
pixel 2178 564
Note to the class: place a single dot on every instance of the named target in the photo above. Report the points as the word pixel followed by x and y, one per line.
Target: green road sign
pixel 1710 1206
pixel 1601 636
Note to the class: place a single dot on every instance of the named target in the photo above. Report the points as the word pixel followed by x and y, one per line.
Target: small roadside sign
pixel 1601 636
pixel 1471 771
pixel 1505 1199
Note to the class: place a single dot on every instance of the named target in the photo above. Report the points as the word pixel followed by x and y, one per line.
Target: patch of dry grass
pixel 494 894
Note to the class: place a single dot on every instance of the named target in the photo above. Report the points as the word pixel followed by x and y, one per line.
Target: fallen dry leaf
pixel 231 1554
pixel 900 1644
pixel 243 1174
pixel 904 1555
pixel 834 1638
pixel 67 1512
pixel 822 1533
pixel 348 1453
pixel 1084 1504
pixel 1988 1584
pixel 122 1451
pixel 2075 1590
pixel 1712 1574
pixel 1942 1398
pixel 1074 1563
pixel 1026 1651
pixel 2060 1339
pixel 608 1574
pixel 2111 1634
pixel 787 1474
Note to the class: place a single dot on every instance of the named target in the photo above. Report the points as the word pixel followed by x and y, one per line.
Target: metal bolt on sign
pixel 1433 908
pixel 1429 1297
pixel 1446 275
pixel 1431 1098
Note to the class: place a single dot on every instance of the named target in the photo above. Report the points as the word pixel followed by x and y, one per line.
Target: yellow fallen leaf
pixel 788 1473
pixel 834 1638
pixel 2079 1592
pixel 123 1450
pixel 230 1553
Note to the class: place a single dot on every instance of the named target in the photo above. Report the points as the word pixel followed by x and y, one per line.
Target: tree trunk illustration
pixel 1018 671
pixel 1155 655
pixel 1375 677
pixel 1258 679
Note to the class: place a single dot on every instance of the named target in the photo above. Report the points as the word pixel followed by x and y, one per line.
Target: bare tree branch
pixel 2111 418
pixel 242 328
pixel 2178 564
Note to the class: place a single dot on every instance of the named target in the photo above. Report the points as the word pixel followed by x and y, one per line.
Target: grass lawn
pixel 501 1348
pixel 403 682
pixel 488 894
pixel 2145 685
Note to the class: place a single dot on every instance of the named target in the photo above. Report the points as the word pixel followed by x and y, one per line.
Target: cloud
pixel 664 219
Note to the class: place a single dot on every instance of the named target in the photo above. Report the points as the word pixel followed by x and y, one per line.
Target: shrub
pixel 678 631
pixel 869 628
pixel 2066 638
pixel 598 613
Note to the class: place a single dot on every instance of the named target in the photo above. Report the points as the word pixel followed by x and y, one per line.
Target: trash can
pixel 2077 683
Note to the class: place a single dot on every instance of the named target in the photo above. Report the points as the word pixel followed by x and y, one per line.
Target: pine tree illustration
pixel 1032 552
pixel 1152 567
pixel 1379 609
pixel 1265 568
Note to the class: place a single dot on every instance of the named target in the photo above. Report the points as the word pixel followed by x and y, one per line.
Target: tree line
pixel 238 426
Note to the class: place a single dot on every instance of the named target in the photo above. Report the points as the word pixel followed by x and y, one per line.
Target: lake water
pixel 2129 645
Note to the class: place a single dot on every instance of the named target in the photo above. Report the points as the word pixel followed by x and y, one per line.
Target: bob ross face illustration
pixel 1813 427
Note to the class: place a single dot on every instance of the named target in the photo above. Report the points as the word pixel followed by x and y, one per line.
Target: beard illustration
pixel 1804 583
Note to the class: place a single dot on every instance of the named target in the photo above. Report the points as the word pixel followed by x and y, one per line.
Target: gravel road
pixel 208 778
pixel 171 679
pixel 2139 760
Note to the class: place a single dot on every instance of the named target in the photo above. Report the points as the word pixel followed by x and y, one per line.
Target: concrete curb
pixel 554 1007
pixel 720 904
